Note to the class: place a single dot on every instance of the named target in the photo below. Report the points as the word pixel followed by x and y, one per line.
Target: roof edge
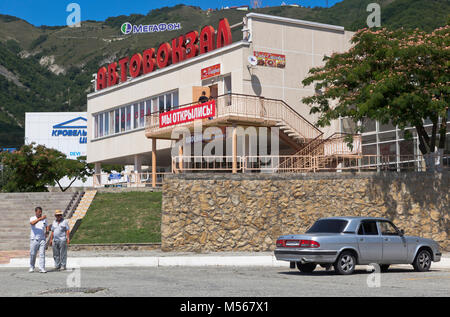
pixel 295 21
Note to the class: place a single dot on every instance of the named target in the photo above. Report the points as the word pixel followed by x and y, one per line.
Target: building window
pixel 168 102
pixel 111 122
pixel 175 100
pixel 155 107
pixel 162 105
pixel 136 115
pixel 128 125
pixel 122 119
pixel 106 119
pixel 132 116
pixel 369 149
pixel 100 119
pixel 368 125
pixel 117 121
pixel 96 126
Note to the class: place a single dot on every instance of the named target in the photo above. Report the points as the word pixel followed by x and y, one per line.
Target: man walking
pixel 60 239
pixel 39 229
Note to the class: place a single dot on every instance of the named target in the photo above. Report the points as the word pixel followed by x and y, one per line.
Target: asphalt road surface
pixel 221 281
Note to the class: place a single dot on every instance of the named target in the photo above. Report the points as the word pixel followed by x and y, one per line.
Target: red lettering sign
pixel 210 71
pixel 164 55
pixel 136 65
pixel 123 69
pixel 113 77
pixel 187 114
pixel 182 48
pixel 178 50
pixel 149 60
pixel 101 78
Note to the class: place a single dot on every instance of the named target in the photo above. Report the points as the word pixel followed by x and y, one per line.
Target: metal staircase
pixel 324 153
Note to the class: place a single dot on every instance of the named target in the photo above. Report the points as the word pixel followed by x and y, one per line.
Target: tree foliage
pixel 34 167
pixel 400 76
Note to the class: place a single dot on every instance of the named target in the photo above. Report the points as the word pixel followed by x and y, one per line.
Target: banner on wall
pixel 270 59
pixel 187 114
pixel 210 71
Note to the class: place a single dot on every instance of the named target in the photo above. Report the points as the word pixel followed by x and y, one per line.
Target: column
pixel 153 162
pixel 180 154
pixel 234 150
pixel 98 174
pixel 137 168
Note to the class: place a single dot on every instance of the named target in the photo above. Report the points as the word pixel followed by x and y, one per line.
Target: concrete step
pixel 21 236
pixel 16 246
pixel 16 209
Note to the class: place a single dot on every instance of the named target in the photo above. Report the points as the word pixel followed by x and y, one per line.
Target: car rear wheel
pixel 345 264
pixel 384 267
pixel 306 267
pixel 422 262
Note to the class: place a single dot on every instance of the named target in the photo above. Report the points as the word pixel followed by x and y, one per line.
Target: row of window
pixel 132 116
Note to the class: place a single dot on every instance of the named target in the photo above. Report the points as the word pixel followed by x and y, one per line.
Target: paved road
pixel 224 281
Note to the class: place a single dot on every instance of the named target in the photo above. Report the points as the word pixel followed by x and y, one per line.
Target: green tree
pixel 399 76
pixel 34 167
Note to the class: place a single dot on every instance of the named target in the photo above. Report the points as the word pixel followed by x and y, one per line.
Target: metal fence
pixel 305 163
pixel 273 164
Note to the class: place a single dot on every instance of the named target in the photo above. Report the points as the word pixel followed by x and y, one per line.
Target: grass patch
pixel 133 217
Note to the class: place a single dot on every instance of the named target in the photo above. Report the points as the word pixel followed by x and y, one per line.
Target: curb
pixel 87 262
pixel 193 261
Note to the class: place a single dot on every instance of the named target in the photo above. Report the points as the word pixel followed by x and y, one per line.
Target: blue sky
pixel 53 12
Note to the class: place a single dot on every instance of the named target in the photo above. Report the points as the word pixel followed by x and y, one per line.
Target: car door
pixel 369 242
pixel 394 246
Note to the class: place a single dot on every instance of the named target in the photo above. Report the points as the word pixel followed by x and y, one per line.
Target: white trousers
pixel 36 245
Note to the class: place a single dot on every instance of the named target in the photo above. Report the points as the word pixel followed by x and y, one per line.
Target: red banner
pixel 178 116
pixel 210 71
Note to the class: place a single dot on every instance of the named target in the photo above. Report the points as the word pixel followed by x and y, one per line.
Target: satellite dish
pixel 252 60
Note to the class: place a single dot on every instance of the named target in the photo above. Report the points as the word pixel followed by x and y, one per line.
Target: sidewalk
pixel 92 259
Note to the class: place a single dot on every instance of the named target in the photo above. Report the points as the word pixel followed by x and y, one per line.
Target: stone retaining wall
pixel 247 212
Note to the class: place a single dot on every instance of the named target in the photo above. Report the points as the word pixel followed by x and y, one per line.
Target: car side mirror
pixel 402 232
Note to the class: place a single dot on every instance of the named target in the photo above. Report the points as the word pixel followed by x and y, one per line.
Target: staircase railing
pixel 335 144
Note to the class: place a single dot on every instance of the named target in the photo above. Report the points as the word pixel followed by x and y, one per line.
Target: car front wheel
pixel 422 262
pixel 306 267
pixel 345 263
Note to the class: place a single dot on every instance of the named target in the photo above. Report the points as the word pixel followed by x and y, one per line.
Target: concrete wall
pixel 304 44
pixel 244 212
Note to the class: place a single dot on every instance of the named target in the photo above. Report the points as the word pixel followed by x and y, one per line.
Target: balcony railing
pixel 250 109
pixel 129 179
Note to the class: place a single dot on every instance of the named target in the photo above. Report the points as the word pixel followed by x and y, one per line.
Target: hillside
pixel 42 68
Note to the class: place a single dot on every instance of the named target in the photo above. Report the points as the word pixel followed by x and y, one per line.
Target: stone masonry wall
pixel 247 212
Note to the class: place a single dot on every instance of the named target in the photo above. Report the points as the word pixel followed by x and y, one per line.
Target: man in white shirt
pixel 60 239
pixel 39 229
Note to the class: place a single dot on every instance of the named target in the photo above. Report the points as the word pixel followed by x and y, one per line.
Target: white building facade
pixel 284 51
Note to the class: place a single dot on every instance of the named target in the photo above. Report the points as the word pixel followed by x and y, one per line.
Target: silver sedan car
pixel 344 242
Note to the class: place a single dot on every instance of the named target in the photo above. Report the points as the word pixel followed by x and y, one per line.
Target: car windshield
pixel 328 226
